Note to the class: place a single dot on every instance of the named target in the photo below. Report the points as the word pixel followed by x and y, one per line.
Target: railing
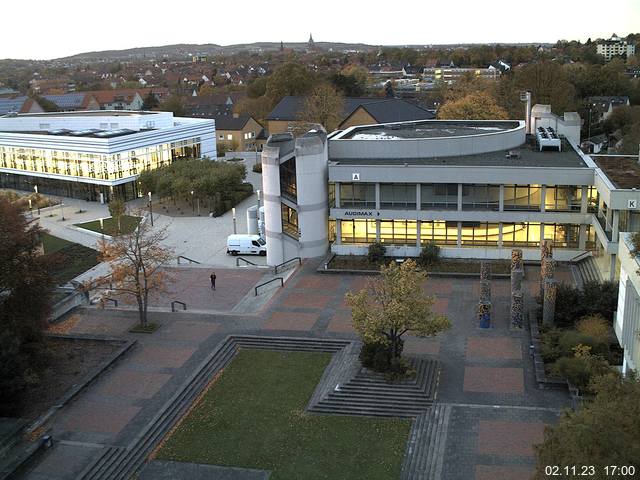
pixel 579 257
pixel 188 259
pixel 108 299
pixel 173 305
pixel 275 269
pixel 267 283
pixel 247 262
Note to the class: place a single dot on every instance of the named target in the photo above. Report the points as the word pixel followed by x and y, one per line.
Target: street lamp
pixel 102 227
pixel 258 193
pixel 35 188
pixel 30 208
pixel 193 205
pixel 62 209
pixel 233 212
pixel 150 208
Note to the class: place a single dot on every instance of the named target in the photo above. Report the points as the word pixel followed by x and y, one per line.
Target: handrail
pixel 275 269
pixel 245 261
pixel 108 299
pixel 187 258
pixel 579 257
pixel 173 305
pixel 267 283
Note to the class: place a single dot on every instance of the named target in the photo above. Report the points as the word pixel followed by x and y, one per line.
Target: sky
pixel 45 29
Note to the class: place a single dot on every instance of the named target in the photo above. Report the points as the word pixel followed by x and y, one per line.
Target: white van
pixel 246 244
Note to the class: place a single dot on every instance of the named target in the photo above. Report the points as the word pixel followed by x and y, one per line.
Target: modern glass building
pixel 95 154
pixel 475 188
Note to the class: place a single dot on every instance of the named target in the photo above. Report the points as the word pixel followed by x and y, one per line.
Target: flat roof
pixel 622 170
pixel 88 133
pixel 527 155
pixel 429 129
pixel 88 113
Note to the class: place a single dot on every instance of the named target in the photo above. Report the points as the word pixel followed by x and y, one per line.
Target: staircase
pixel 586 270
pixel 369 393
pixel 119 463
pixel 425 447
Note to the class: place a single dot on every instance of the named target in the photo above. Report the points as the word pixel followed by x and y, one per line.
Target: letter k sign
pixel 632 204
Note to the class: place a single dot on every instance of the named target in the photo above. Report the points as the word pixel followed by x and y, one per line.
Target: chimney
pixel 236 115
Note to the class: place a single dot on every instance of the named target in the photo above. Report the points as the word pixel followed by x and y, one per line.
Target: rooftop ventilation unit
pixel 547 137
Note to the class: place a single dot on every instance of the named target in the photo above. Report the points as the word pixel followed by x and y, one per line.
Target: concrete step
pixel 367 412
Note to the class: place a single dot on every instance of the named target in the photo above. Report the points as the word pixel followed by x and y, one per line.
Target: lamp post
pixel 102 227
pixel 62 210
pixel 150 208
pixel 233 212
pixel 30 208
pixel 258 193
pixel 193 205
pixel 35 188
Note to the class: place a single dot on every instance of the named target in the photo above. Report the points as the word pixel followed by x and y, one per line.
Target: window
pixel 563 235
pixel 289 220
pixel 229 136
pixel 521 234
pixel 398 195
pixel 357 195
pixel 220 137
pixel 479 233
pixel 358 231
pixel 288 185
pixel 332 195
pixel 440 232
pixel 480 197
pixel 522 197
pixel 562 198
pixel 255 243
pixel 439 196
pixel 398 232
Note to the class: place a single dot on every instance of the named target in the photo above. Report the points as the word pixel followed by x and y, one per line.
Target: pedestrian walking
pixel 213 281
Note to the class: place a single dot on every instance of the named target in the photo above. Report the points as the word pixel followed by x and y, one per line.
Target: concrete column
pixel 501 203
pixel 612 267
pixel 582 241
pixel 377 196
pixel 459 198
pixel 418 197
pixel 543 198
pixel 459 242
pixel 377 229
pixel 500 235
pixel 418 240
pixel 338 232
pixel 615 226
pixel 584 201
pixel 271 198
pixel 609 218
pixel 337 193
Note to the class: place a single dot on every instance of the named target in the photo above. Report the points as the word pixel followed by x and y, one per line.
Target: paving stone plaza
pixel 489 414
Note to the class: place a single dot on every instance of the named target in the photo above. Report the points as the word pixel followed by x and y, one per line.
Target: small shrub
pixel 429 255
pixel 635 242
pixel 580 369
pixel 376 252
pixel 556 344
pixel 257 168
pixel 398 369
pixel 595 326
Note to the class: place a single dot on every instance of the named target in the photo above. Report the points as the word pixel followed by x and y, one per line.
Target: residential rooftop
pixel 622 170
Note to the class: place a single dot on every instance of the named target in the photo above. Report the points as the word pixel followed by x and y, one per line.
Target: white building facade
pixel 615 47
pixel 96 154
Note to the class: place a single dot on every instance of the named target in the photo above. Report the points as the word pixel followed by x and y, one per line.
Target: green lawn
pixel 127 222
pixel 69 259
pixel 254 417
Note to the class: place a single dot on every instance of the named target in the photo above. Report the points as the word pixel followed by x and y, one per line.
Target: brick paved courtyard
pixel 498 412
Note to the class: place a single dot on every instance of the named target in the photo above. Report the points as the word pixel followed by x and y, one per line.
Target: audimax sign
pixel 361 213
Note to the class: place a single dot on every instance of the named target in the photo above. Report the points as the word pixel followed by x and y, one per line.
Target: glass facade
pixel 289 220
pixel 480 197
pixel 357 195
pixel 563 235
pixel 523 197
pixel 439 196
pixel 562 198
pixel 288 185
pixel 480 234
pixel 358 231
pixel 440 232
pixel 398 232
pixel 525 234
pixel 103 167
pixel 398 195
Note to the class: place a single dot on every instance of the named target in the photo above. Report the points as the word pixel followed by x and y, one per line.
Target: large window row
pixel 103 167
pixel 474 197
pixel 470 234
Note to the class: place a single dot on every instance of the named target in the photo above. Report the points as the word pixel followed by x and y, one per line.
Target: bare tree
pixel 325 106
pixel 136 261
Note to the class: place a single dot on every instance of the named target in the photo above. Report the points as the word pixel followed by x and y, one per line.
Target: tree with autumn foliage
pixel 325 106
pixel 25 296
pixel 136 260
pixel 394 304
pixel 475 106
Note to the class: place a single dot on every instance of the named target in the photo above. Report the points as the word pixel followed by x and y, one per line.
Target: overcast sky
pixel 44 29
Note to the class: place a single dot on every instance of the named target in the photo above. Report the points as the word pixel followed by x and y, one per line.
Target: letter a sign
pixel 355 177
